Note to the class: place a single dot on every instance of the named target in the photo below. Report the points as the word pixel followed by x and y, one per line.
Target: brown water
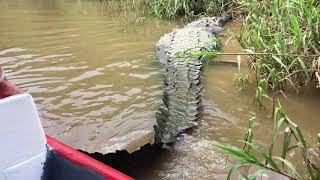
pixel 89 66
pixel 91 70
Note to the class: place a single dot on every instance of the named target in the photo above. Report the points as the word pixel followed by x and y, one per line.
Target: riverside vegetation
pixel 190 9
pixel 282 39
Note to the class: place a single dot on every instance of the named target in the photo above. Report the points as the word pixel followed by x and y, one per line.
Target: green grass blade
pixel 296 130
pixel 292 168
pixel 280 62
pixel 286 142
pixel 304 67
pixel 234 169
pixel 240 153
pixel 249 134
pixel 275 133
pixel 264 155
pixel 256 174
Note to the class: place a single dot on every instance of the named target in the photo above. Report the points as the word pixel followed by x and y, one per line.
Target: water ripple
pixel 92 76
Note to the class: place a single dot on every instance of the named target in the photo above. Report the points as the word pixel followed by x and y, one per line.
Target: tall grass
pixel 292 140
pixel 283 38
pixel 189 8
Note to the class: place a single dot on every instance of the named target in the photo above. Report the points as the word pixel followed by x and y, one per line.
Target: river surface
pixel 91 69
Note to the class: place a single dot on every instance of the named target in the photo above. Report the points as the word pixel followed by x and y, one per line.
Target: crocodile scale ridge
pixel 182 85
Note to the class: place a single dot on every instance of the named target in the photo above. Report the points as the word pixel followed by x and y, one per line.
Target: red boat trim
pixel 86 161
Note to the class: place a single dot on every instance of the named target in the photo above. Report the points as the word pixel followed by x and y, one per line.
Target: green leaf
pixel 249 134
pixel 235 168
pixel 292 84
pixel 264 155
pixel 296 28
pixel 286 142
pixel 280 62
pixel 240 153
pixel 296 130
pixel 292 168
pixel 275 133
pixel 256 174
pixel 304 68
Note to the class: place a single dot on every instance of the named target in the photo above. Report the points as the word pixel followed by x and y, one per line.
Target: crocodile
pixel 182 85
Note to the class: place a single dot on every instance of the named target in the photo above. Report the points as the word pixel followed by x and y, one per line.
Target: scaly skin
pixel 182 95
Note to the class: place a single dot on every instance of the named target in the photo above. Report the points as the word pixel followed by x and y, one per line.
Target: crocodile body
pixel 182 94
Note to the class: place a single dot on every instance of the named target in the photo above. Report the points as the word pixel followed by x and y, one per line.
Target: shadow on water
pixel 135 164
pixel 140 164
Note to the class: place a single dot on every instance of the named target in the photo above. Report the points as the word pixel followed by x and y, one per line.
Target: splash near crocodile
pixel 182 92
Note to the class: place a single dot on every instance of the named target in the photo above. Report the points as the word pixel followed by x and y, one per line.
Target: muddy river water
pixel 89 66
pixel 91 69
